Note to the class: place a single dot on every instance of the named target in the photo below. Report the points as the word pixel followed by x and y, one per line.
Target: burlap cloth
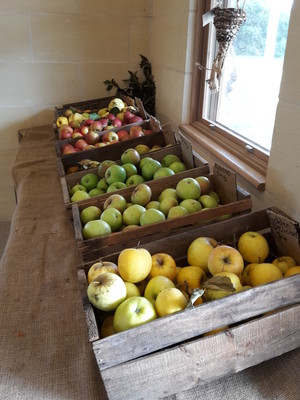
pixel 45 352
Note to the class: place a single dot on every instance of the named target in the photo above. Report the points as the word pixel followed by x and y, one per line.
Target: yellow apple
pixel 246 273
pixel 155 286
pixel 199 250
pixel 264 273
pixel 170 301
pixel 225 258
pixel 100 267
pixel 107 328
pixel 132 290
pixel 163 264
pixel 293 271
pixel 134 264
pixel 107 291
pixel 190 278
pixel 134 311
pixel 253 247
pixel 284 263
pixel 213 294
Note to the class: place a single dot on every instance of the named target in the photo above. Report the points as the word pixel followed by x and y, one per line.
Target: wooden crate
pixel 162 136
pixel 191 160
pixel 233 201
pixel 93 106
pixel 169 355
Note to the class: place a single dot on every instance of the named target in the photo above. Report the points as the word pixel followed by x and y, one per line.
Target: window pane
pixel 248 96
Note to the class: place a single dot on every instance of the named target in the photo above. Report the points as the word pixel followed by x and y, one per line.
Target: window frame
pixel 247 160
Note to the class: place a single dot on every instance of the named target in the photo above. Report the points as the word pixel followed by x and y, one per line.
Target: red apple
pixel 80 144
pixel 147 132
pixel 136 131
pixel 76 135
pixel 84 129
pixel 96 126
pixel 64 146
pixel 89 147
pixel 110 137
pixel 101 144
pixel 127 115
pixel 135 119
pixel 104 122
pixel 66 133
pixel 69 150
pixel 117 122
pixel 110 116
pixel 92 137
pixel 123 135
pixel 88 121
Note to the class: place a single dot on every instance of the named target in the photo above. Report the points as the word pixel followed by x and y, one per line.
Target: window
pixel 240 116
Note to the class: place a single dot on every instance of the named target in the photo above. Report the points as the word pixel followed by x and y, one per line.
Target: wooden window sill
pixel 253 171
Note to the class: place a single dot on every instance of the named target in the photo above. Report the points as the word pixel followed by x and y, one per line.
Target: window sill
pixel 234 159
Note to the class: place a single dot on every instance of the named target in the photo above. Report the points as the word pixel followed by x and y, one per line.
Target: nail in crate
pixel 233 201
pixel 187 155
pixel 262 322
pixel 93 106
pixel 160 136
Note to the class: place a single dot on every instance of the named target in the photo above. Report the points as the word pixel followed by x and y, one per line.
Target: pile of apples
pixel 117 214
pixel 132 170
pixel 141 287
pixel 88 127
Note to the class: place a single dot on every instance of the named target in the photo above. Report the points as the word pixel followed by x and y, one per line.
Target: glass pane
pixel 248 97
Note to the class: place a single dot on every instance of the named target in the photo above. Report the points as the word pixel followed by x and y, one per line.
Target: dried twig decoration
pixel 227 22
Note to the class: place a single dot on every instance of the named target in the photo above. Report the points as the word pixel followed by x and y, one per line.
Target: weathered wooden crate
pixel 190 158
pixel 162 135
pixel 233 201
pixel 170 355
pixel 93 106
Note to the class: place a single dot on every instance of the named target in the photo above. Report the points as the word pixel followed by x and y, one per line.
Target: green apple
pixel 169 159
pixel 149 168
pixel 151 216
pixel 102 184
pixel 188 188
pixel 208 201
pixel 96 192
pixel 178 166
pixel 134 180
pixel 116 201
pixel 113 217
pixel 163 172
pixel 143 160
pixel 191 205
pixel 130 169
pixel 90 213
pixel 116 186
pixel 168 192
pixel 153 204
pixel 96 228
pixel 102 167
pixel 79 195
pixel 141 194
pixel 115 173
pixel 155 286
pixel 215 195
pixel 177 211
pixel 204 183
pixel 77 187
pixel 107 291
pixel 133 312
pixel 89 181
pixel 132 214
pixel 166 204
pixel 130 156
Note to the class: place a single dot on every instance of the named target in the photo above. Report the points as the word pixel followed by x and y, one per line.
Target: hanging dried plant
pixel 227 22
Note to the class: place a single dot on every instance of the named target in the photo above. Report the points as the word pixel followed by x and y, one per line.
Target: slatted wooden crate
pixel 190 158
pixel 170 355
pixel 94 105
pixel 162 135
pixel 233 201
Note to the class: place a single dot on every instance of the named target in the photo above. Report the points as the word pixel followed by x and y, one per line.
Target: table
pixel 44 348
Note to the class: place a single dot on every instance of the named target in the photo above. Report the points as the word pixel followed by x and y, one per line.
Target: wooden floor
pixel 4 232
